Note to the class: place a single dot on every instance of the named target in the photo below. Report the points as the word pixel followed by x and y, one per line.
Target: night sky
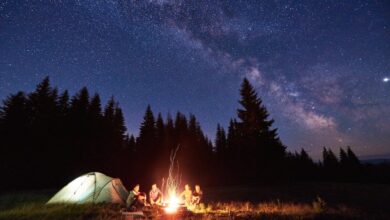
pixel 322 68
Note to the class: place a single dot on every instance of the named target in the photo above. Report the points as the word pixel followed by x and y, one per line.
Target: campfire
pixel 173 204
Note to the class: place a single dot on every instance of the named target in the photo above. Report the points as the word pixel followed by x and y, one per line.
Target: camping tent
pixel 92 188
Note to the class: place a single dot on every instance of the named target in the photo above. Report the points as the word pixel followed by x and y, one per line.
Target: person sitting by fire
pixel 136 199
pixel 155 195
pixel 187 195
pixel 197 195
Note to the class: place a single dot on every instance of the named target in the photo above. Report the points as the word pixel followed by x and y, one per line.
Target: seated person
pixel 187 195
pixel 136 200
pixel 197 195
pixel 155 195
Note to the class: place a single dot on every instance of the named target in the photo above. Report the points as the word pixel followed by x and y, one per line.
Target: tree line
pixel 48 138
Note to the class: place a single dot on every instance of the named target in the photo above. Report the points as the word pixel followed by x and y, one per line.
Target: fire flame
pixel 172 204
pixel 172 184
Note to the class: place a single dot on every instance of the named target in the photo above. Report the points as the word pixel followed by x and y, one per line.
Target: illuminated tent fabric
pixel 92 188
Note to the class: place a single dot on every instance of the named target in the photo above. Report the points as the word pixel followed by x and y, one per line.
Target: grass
pixel 294 201
pixel 79 212
pixel 31 205
pixel 277 210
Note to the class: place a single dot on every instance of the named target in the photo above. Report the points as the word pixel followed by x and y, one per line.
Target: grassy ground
pixel 293 201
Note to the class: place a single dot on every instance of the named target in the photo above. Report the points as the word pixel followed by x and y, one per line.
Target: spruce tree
pixel 109 110
pixel 119 127
pixel 15 151
pixel 95 123
pixel 147 134
pixel 44 125
pixel 131 144
pixel 79 112
pixel 220 141
pixel 232 136
pixel 181 127
pixel 63 103
pixel 169 142
pixel 353 160
pixel 343 157
pixel 109 135
pixel 95 108
pixel 146 144
pixel 43 105
pixel 305 157
pixel 329 158
pixel 160 130
pixel 233 153
pixel 258 141
pixel 80 103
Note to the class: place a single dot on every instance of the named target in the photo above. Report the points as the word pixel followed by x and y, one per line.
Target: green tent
pixel 92 188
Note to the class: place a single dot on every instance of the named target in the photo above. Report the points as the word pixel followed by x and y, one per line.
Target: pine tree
pixel 119 127
pixel 169 140
pixel 329 159
pixel 258 141
pixel 36 128
pixel 181 127
pixel 199 145
pixel 349 164
pixel 64 140
pixel 95 124
pixel 232 136
pixel 220 141
pixel 14 115
pixel 109 110
pixel 131 144
pixel 196 135
pixel 255 128
pixel 352 158
pixel 343 157
pixel 63 103
pixel 109 131
pixel 95 108
pixel 146 144
pixel 15 140
pixel 221 153
pixel 160 130
pixel 43 105
pixel 305 157
pixel 169 126
pixel 80 131
pixel 147 134
pixel 80 103
pixel 79 114
pixel 233 153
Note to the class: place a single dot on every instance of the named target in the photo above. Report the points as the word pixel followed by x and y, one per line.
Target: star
pixel 170 56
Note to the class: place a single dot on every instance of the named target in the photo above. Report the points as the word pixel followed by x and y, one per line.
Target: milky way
pixel 321 67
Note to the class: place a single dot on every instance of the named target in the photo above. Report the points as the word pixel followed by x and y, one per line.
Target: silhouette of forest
pixel 48 137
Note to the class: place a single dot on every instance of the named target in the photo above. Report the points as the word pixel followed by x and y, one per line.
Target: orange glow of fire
pixel 172 204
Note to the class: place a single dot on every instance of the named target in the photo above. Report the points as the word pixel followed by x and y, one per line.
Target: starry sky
pixel 322 68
